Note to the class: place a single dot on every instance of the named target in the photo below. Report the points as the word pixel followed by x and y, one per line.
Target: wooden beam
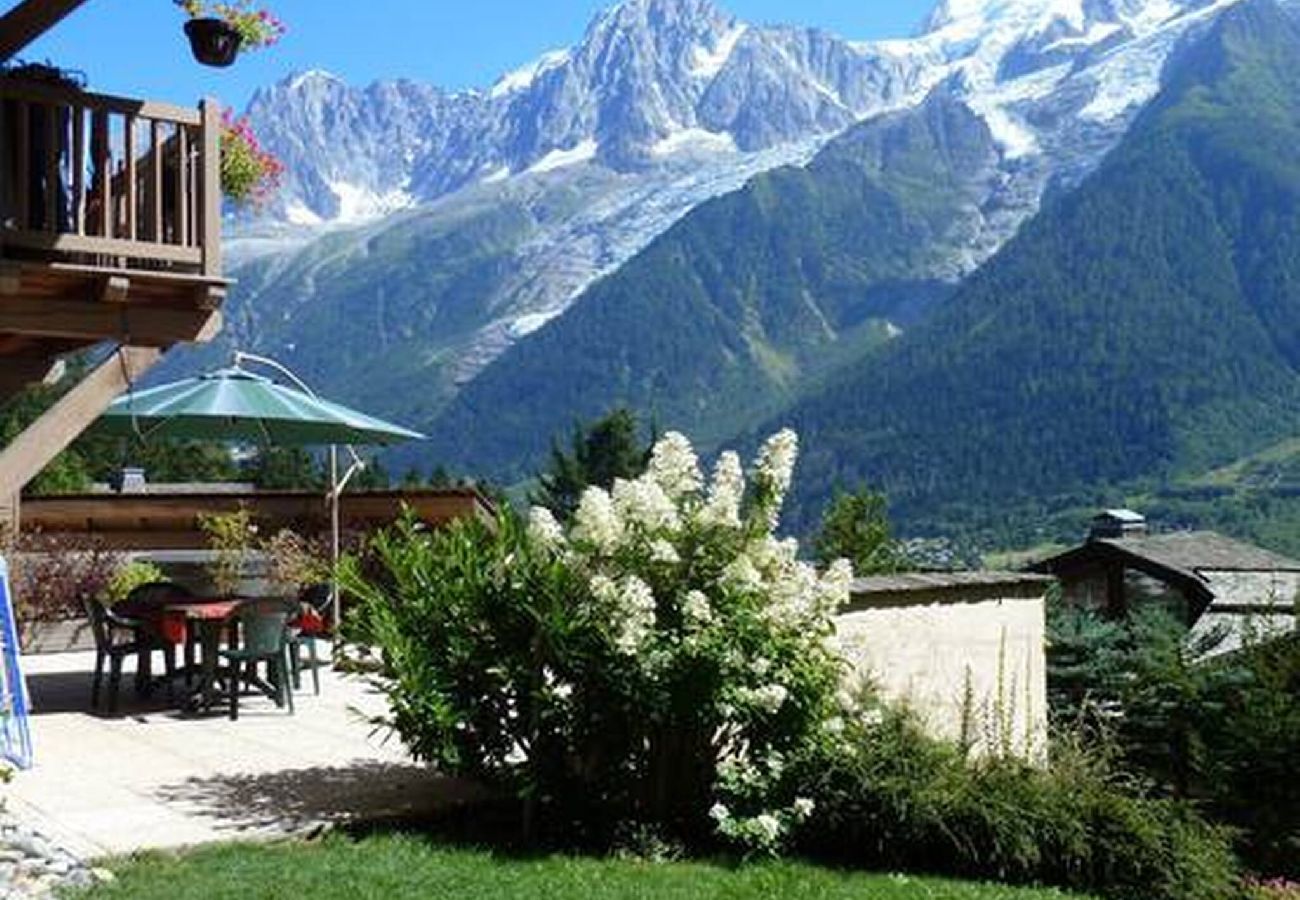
pixel 49 435
pixel 115 289
pixel 11 277
pixel 10 518
pixel 150 326
pixel 29 20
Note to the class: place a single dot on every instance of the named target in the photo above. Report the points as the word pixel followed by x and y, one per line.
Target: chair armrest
pixel 113 620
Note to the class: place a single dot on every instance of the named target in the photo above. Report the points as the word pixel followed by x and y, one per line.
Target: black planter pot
pixel 215 42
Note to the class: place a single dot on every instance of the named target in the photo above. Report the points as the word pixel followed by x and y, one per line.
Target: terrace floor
pixel 153 778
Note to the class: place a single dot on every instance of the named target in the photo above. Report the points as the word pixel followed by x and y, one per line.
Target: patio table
pixel 209 618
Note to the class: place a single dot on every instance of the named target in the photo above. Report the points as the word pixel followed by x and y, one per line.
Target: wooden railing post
pixel 210 186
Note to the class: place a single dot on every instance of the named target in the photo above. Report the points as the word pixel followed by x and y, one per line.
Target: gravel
pixel 33 866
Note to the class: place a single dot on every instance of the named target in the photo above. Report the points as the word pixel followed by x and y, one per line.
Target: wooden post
pixel 210 187
pixel 1116 602
pixel 10 518
pixel 49 435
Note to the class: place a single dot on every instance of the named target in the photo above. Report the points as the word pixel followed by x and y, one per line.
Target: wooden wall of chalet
pixel 170 521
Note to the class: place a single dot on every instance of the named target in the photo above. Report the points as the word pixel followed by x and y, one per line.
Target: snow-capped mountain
pixel 650 79
pixel 592 151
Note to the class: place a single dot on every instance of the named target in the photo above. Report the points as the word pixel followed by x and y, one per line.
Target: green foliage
pixel 856 527
pixel 286 469
pixel 128 578
pixel 653 662
pixel 231 536
pixel 891 797
pixel 607 449
pixel 1142 326
pixel 1221 730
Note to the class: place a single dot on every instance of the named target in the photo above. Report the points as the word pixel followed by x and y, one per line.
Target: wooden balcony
pixel 110 221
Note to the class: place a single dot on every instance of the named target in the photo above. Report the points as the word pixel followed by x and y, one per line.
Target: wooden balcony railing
pixel 108 181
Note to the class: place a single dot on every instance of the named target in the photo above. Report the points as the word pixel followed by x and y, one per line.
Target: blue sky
pixel 135 47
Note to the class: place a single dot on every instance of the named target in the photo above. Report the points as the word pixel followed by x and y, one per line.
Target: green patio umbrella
pixel 236 405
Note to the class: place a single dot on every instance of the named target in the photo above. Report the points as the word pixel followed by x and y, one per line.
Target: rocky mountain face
pixel 591 151
pixel 427 240
pixel 800 273
pixel 649 79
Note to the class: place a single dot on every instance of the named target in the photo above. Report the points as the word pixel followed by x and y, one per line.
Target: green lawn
pixel 397 867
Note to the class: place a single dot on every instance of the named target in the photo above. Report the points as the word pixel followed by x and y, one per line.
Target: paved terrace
pixel 153 778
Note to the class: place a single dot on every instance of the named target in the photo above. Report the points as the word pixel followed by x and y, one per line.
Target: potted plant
pixel 218 31
pixel 231 537
pixel 249 174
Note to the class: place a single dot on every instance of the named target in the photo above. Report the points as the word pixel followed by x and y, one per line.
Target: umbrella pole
pixel 335 600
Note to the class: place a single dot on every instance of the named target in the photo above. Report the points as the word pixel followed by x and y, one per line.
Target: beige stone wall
pixel 940 648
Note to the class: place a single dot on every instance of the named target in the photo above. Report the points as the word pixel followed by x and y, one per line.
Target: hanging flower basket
pixel 218 31
pixel 214 42
pixel 249 174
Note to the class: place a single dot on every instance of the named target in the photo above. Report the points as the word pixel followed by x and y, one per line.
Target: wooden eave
pixel 24 22
pixel 1105 554
pixel 65 304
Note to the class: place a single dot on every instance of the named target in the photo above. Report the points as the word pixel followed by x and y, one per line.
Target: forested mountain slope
pixel 1145 325
pixel 722 319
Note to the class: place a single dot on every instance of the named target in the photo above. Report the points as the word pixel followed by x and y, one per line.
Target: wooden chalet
pixel 110 233
pixel 1202 576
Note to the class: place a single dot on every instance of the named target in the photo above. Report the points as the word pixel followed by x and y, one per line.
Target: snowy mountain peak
pixel 301 80
pixel 663 82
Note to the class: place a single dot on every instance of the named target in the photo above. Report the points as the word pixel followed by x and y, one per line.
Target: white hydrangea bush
pixel 715 626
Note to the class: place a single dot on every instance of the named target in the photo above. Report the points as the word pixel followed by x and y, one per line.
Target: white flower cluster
pixel 765 831
pixel 769 698
pixel 643 504
pixel 631 606
pixel 544 530
pixel 595 521
pixel 696 609
pixel 799 597
pixel 776 464
pixel 726 490
pixel 673 466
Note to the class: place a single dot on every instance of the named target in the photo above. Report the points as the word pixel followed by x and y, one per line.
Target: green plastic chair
pixel 264 637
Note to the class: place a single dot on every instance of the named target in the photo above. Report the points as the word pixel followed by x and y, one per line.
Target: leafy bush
pixel 231 536
pixel 1221 730
pixel 890 797
pixel 128 578
pixel 52 574
pixel 654 663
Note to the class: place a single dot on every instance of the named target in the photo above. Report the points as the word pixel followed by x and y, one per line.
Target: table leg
pixel 206 695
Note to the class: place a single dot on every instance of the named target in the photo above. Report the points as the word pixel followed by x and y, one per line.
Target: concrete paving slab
pixel 152 778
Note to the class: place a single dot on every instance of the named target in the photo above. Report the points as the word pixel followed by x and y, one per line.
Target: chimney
pixel 128 480
pixel 1113 524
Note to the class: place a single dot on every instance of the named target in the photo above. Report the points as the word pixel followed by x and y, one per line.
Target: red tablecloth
pixel 174 617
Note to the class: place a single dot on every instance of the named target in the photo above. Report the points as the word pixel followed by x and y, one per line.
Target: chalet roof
pixel 1199 551
pixel 1123 515
pixel 943 581
pixel 1189 552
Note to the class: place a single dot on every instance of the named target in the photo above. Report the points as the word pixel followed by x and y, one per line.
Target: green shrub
pixel 128 578
pixel 1221 730
pixel 652 665
pixel 893 798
